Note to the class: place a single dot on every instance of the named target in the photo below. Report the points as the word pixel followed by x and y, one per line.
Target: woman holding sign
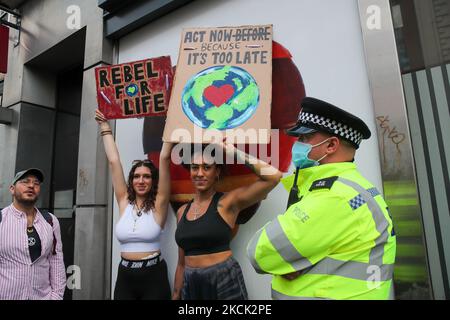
pixel 143 204
pixel 206 268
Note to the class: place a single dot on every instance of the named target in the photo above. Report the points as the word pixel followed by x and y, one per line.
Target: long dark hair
pixel 149 202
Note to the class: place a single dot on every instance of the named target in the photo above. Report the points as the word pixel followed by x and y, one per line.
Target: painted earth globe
pixel 220 97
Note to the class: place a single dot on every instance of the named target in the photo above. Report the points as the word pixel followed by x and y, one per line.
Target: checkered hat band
pixel 332 126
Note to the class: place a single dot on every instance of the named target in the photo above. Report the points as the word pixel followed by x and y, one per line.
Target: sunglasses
pixel 141 161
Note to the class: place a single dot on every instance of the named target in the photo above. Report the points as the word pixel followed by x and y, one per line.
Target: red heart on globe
pixel 218 95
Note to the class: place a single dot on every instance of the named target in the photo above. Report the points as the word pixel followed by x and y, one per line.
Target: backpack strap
pixel 48 217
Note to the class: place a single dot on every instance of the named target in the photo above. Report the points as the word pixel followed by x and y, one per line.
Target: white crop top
pixel 138 234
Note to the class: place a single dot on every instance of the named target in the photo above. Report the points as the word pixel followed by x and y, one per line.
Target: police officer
pixel 336 239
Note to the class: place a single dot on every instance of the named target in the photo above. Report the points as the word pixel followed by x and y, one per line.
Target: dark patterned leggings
pixel 222 281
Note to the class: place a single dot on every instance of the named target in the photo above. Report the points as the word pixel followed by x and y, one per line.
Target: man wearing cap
pixel 336 239
pixel 31 258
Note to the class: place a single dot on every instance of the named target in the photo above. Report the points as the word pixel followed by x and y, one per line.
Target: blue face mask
pixel 300 152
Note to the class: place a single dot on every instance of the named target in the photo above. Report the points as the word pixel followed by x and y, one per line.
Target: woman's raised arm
pixel 115 166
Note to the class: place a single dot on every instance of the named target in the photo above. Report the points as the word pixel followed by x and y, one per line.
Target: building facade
pixel 385 61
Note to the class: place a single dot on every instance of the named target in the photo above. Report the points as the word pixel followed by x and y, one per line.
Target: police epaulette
pixel 323 183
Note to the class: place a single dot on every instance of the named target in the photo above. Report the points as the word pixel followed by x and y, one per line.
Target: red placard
pixel 134 89
pixel 4 37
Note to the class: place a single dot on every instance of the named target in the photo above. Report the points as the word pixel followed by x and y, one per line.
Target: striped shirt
pixel 21 279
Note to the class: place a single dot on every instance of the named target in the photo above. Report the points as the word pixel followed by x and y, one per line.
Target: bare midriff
pixel 137 255
pixel 207 260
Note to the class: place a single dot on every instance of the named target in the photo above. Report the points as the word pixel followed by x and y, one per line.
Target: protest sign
pixel 134 89
pixel 223 82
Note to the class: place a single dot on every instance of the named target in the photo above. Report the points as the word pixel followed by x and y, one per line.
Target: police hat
pixel 31 171
pixel 317 115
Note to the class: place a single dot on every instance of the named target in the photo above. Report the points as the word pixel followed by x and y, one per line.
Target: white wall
pixel 325 40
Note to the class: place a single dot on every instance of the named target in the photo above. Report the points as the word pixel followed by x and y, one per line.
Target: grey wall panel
pixel 97 48
pixel 136 14
pixel 90 251
pixel 45 31
pixel 8 149
pixel 6 114
pixel 40 33
pixel 434 151
pixel 92 191
pixel 429 38
pixel 109 240
pixel 400 189
pixel 424 188
pixel 427 92
pixel 442 121
pixel 39 87
pixel 35 144
pixel 92 164
pixel 442 114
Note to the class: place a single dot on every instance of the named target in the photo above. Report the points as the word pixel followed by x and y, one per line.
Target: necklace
pixel 138 211
pixel 197 213
pixel 138 215
pixel 30 229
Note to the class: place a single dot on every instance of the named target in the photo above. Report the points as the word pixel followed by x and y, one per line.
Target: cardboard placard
pixel 134 89
pixel 223 82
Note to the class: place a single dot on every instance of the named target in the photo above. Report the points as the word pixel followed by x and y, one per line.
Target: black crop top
pixel 208 234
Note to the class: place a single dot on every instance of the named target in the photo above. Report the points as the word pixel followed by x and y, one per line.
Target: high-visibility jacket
pixel 339 236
